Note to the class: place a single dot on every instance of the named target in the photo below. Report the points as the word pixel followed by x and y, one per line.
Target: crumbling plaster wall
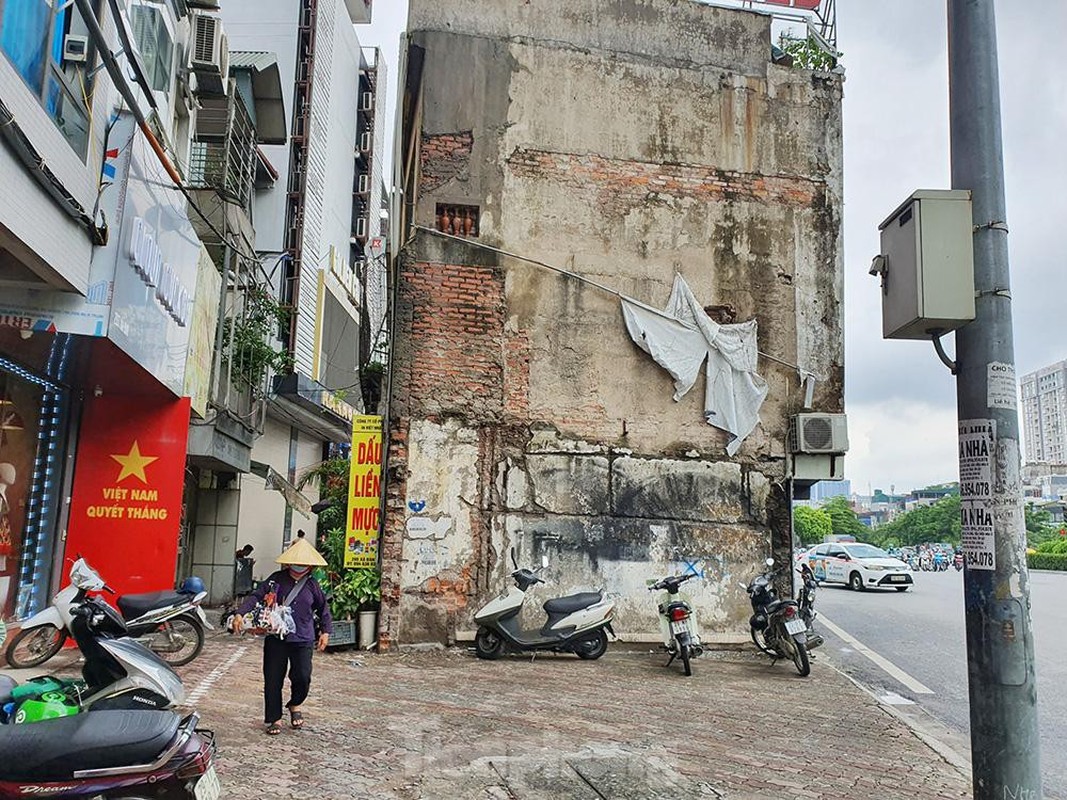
pixel 625 141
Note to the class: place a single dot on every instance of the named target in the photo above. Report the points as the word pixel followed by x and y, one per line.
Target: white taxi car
pixel 861 566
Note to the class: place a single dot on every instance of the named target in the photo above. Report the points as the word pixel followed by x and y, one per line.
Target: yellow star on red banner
pixel 133 464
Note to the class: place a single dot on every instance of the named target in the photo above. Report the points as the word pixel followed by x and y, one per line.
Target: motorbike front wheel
pixel 488 644
pixel 592 647
pixel 33 646
pixel 177 641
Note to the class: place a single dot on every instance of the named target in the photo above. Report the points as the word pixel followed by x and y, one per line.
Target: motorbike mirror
pixel 514 561
pixel 770 562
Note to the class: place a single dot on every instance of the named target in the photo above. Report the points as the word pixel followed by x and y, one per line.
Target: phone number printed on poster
pixel 977 438
pixel 364 492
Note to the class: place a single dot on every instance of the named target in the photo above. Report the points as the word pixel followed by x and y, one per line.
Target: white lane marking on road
pixel 883 663
pixel 894 699
pixel 212 677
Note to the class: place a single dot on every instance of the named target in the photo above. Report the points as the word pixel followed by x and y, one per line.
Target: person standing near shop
pixel 294 586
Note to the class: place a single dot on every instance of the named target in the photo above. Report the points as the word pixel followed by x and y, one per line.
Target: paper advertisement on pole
pixel 977 438
pixel 364 492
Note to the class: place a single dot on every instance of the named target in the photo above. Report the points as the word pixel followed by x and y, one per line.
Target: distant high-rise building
pixel 824 490
pixel 1044 396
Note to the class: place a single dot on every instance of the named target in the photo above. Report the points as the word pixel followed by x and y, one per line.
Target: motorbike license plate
pixel 208 787
pixel 795 626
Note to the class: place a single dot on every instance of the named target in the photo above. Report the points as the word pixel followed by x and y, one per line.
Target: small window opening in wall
pixel 457 220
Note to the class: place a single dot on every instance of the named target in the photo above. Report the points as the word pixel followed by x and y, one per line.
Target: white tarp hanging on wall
pixel 682 337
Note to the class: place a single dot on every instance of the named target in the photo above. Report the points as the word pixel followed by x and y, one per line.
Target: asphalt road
pixel 921 633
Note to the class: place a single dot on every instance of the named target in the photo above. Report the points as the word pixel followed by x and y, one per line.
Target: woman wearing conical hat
pixel 292 654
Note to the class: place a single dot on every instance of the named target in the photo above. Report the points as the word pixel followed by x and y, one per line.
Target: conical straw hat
pixel 301 554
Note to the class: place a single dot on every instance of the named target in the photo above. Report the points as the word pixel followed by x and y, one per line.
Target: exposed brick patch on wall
pixel 628 182
pixel 444 157
pixel 454 359
pixel 517 376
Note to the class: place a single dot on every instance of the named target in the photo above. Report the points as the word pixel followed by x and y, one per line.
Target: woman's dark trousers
pixel 280 657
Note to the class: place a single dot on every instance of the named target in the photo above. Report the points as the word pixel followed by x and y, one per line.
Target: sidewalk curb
pixel 948 753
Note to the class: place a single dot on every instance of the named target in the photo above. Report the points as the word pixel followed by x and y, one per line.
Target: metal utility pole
pixel 1000 645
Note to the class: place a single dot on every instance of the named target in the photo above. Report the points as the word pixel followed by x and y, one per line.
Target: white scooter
pixel 171 624
pixel 579 623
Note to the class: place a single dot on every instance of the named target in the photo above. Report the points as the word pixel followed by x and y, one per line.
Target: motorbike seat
pixel 572 603
pixel 55 749
pixel 136 605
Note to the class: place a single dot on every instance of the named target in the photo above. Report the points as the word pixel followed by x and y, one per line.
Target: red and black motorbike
pixel 121 755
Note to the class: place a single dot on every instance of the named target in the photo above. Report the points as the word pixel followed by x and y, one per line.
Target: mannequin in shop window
pixel 7 478
pixel 7 542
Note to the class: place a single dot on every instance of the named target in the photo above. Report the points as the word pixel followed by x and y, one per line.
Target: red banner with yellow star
pixel 126 507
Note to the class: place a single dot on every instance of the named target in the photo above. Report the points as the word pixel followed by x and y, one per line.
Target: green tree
pixel 939 522
pixel 1039 527
pixel 812 525
pixel 844 519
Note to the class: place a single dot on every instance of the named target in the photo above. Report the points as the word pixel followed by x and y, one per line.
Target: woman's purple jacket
pixel 305 605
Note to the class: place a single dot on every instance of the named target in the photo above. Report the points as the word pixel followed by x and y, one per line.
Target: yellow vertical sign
pixel 364 492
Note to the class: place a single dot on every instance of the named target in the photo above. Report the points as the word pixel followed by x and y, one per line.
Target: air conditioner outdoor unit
pixel 361 228
pixel 366 102
pixel 818 433
pixel 364 184
pixel 210 55
pixel 365 142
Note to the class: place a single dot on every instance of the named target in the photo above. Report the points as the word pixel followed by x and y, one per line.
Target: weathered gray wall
pixel 625 141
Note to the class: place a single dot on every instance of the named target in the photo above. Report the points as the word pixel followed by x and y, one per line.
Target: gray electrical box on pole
pixel 1000 644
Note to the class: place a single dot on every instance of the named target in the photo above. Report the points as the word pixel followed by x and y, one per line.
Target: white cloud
pixel 901 444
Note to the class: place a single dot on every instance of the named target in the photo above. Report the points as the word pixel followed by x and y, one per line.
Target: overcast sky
pixel 899 397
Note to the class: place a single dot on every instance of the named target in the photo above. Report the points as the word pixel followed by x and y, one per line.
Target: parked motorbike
pixel 806 604
pixel 578 623
pixel 957 561
pixel 119 673
pixel 121 755
pixel 776 626
pixel 169 623
pixel 677 622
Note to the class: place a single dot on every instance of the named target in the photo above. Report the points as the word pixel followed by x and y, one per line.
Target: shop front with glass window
pixel 35 403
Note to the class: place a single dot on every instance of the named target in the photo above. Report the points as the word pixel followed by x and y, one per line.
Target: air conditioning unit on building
pixel 364 184
pixel 209 55
pixel 361 228
pixel 365 142
pixel 818 433
pixel 366 101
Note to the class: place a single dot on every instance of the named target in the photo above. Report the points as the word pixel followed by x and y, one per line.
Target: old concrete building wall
pixel 624 141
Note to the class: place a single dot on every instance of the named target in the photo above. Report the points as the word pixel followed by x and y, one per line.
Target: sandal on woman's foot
pixel 273 729
pixel 296 719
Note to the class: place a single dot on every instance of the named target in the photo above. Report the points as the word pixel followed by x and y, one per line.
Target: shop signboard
pixel 202 325
pixel 156 254
pixel 126 503
pixel 364 492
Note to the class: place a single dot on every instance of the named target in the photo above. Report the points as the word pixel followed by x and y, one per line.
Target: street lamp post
pixel 1000 646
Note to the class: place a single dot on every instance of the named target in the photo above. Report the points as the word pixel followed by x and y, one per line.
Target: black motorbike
pixel 806 604
pixel 776 626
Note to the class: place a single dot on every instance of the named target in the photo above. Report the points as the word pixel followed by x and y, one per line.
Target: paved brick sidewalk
pixel 446 725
